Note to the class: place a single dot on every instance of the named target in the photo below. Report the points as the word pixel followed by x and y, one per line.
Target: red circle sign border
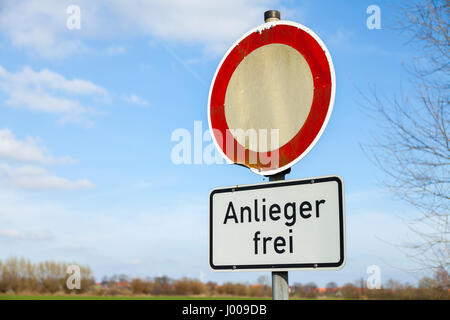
pixel 320 63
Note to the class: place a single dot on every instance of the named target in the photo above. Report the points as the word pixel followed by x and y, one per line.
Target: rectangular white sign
pixel 293 224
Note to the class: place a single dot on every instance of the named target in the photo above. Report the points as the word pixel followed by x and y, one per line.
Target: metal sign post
pixel 280 279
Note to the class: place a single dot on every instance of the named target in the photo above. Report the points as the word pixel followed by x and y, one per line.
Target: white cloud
pixel 39 100
pixel 144 185
pixel 340 38
pixel 14 234
pixel 115 50
pixel 134 99
pixel 53 80
pixel 30 177
pixel 133 262
pixel 212 24
pixel 49 92
pixel 38 179
pixel 29 150
pixel 41 26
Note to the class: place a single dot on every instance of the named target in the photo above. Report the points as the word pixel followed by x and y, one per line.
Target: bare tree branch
pixel 413 149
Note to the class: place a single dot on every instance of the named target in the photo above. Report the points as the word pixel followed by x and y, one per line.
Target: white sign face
pixel 294 224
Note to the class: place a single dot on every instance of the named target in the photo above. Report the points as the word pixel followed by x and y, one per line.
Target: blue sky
pixel 86 118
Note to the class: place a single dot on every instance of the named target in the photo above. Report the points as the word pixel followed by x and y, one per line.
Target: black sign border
pixel 286 183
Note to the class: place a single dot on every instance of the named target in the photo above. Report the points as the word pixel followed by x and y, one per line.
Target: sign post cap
pixel 271 15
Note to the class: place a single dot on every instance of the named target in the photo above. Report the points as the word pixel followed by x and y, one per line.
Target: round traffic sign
pixel 271 97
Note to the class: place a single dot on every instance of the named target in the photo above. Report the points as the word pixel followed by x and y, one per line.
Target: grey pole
pixel 280 281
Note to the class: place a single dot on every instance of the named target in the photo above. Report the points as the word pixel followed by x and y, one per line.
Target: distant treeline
pixel 48 277
pixel 19 276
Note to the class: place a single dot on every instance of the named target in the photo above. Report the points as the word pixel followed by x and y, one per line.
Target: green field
pixel 82 297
